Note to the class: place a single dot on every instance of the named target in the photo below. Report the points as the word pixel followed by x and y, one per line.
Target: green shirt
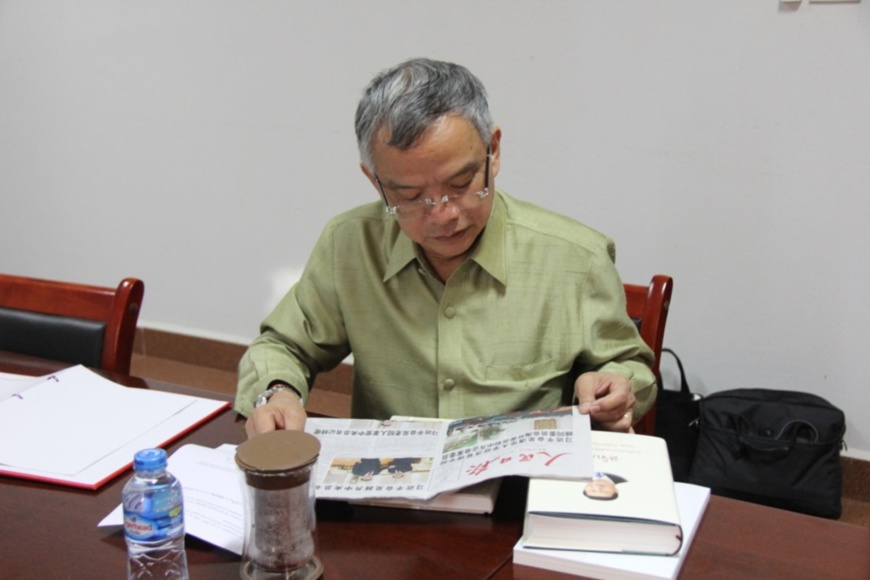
pixel 538 302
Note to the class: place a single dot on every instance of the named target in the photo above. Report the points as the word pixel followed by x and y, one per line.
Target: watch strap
pixel 276 387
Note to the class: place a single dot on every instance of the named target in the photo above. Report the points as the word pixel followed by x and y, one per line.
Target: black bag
pixel 677 423
pixel 777 448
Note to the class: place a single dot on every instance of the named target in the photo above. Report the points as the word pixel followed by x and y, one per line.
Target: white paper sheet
pixel 11 384
pixel 213 509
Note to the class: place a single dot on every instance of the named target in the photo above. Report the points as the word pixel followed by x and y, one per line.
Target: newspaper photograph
pixel 420 458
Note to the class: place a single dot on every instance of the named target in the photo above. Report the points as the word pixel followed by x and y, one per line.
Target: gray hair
pixel 410 97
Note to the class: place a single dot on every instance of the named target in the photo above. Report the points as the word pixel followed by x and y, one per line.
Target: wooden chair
pixel 648 307
pixel 67 322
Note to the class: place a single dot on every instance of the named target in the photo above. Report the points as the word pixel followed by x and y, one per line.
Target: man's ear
pixel 371 177
pixel 495 151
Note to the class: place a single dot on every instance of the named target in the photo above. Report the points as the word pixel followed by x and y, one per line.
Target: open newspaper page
pixel 418 459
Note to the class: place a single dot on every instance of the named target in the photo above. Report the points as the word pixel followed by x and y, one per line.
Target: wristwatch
pixel 267 394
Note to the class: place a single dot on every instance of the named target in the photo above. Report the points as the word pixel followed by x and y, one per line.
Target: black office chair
pixel 75 323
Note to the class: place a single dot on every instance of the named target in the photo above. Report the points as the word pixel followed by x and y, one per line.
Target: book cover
pixel 692 500
pixel 628 506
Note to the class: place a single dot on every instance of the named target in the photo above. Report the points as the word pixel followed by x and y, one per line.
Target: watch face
pixel 262 399
pixel 267 394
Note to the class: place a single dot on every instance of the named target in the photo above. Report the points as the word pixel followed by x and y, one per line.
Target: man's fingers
pixel 607 398
pixel 262 421
pixel 622 424
pixel 274 416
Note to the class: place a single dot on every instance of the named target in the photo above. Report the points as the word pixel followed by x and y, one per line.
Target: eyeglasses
pixel 418 208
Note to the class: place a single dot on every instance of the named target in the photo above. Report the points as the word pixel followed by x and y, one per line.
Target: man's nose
pixel 444 210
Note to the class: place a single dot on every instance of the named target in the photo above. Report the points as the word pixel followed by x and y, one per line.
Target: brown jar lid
pixel 277 451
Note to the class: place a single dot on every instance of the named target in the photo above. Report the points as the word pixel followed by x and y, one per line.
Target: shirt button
pixel 449 384
pixel 449 312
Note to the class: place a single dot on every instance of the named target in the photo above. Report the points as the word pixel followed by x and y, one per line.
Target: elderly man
pixel 455 299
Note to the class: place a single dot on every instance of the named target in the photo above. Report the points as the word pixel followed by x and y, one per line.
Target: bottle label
pixel 153 518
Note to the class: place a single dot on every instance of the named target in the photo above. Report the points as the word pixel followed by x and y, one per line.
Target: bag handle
pixel 770 444
pixel 684 384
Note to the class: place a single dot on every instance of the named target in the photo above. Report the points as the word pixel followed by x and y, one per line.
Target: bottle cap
pixel 149 460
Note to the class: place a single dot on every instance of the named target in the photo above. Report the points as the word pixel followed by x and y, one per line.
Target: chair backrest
pixel 648 307
pixel 76 323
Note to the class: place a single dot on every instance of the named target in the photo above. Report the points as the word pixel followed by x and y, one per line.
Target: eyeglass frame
pixel 428 204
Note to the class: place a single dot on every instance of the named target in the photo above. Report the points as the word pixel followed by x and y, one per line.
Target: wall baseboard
pixel 188 349
pixel 220 355
pixel 856 479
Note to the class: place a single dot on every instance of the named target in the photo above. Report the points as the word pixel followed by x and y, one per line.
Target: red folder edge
pixel 116 473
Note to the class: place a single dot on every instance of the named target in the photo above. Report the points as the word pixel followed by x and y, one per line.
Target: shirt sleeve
pixel 615 346
pixel 302 336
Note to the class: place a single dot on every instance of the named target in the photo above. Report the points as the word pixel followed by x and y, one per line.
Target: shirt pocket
pixel 527 376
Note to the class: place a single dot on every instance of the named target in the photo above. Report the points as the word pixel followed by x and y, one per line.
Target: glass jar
pixel 280 541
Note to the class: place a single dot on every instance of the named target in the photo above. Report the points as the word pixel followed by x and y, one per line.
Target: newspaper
pixel 418 459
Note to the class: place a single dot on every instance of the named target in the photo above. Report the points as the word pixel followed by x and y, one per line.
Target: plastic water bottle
pixel 154 520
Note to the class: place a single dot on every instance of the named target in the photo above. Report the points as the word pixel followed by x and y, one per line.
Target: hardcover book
pixel 692 500
pixel 478 498
pixel 628 506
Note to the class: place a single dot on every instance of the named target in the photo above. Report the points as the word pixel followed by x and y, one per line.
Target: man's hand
pixel 283 411
pixel 608 400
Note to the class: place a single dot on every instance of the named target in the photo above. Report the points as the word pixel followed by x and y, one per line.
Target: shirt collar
pixel 489 253
pixel 402 251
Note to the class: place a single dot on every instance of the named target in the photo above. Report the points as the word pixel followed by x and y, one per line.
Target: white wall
pixel 202 144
